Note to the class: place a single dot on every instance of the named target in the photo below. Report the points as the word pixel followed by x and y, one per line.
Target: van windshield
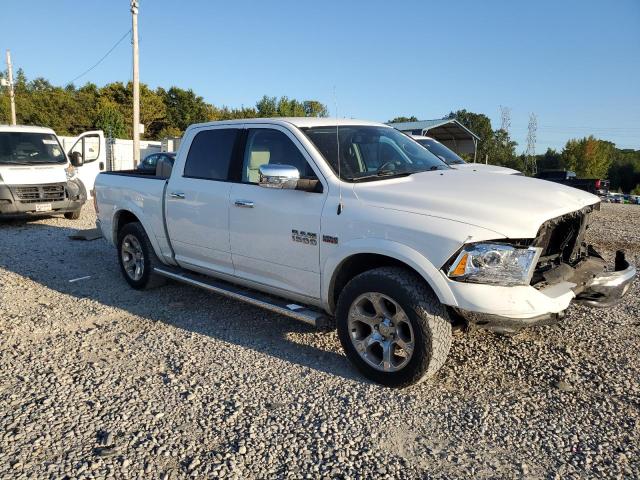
pixel 28 148
pixel 370 152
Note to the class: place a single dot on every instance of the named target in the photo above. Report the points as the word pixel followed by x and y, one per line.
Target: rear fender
pixel 140 217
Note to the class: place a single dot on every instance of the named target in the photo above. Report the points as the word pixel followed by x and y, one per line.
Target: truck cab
pixel 36 176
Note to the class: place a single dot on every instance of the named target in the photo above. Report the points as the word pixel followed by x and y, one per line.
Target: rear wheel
pixel 392 326
pixel 137 258
pixel 75 215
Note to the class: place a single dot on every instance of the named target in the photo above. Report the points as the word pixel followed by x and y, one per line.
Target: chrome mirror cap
pixel 278 176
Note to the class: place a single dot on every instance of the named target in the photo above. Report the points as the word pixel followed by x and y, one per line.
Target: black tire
pixel 148 279
pixel 427 317
pixel 75 215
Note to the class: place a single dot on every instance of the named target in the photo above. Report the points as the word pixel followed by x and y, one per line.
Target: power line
pixel 103 57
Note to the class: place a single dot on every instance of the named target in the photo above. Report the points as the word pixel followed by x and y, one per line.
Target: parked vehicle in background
pixel 36 177
pixel 452 159
pixel 569 178
pixel 150 162
pixel 355 223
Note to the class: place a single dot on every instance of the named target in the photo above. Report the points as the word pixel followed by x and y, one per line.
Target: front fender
pixel 389 248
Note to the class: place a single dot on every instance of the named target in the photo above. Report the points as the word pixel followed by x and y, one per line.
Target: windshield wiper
pixel 383 174
pixel 10 162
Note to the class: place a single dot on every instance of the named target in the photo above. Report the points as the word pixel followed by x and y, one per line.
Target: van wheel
pixel 137 258
pixel 392 326
pixel 75 215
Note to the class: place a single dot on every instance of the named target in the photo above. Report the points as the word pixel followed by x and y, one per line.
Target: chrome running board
pixel 252 297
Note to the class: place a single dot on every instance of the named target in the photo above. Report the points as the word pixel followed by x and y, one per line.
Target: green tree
pixel 588 157
pixel 267 107
pixel 110 120
pixel 494 145
pixel 183 107
pixel 624 172
pixel 403 119
pixel 314 108
pixel 550 160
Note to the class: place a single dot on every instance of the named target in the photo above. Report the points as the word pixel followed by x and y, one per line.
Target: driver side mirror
pixel 76 159
pixel 278 176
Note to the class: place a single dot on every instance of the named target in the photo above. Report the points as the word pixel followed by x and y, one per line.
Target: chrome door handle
pixel 177 195
pixel 244 203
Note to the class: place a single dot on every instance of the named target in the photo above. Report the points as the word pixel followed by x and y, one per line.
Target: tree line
pixel 72 110
pixel 588 157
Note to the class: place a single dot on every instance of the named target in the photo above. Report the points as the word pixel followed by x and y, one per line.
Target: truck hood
pixel 513 206
pixel 481 167
pixel 33 174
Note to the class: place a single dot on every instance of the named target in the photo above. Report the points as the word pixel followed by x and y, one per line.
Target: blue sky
pixel 575 63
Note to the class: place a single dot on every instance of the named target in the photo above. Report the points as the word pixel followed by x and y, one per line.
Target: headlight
pixel 495 264
pixel 71 172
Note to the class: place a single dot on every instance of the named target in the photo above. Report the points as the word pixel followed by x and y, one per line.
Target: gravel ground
pixel 99 380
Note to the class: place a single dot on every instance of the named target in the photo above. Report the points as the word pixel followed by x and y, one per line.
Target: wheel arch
pixel 124 216
pixel 374 253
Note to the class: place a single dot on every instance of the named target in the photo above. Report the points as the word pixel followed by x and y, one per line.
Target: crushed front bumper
pixel 21 200
pixel 509 309
pixel 608 288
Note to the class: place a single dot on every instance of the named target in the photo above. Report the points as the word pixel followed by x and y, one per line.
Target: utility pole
pixel 531 144
pixel 136 84
pixel 12 96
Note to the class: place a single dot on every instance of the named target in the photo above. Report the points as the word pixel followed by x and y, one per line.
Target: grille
pixel 562 243
pixel 53 192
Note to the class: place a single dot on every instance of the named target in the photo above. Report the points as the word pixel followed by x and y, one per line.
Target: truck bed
pixel 138 192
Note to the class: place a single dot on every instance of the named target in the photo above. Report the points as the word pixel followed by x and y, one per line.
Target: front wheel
pixel 392 326
pixel 137 258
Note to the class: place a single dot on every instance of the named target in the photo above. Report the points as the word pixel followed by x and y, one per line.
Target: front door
pixel 92 148
pixel 275 233
pixel 197 208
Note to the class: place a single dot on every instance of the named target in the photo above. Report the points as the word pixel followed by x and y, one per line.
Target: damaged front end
pixel 566 257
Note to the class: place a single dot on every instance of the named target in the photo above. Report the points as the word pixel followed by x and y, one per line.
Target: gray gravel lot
pixel 99 380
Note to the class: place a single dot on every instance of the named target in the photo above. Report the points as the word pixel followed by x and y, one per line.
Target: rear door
pixel 92 148
pixel 275 233
pixel 197 204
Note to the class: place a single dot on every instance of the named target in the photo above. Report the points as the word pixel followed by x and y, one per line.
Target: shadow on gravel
pixel 45 254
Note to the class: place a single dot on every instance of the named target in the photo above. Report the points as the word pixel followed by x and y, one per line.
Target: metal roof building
pixel 447 131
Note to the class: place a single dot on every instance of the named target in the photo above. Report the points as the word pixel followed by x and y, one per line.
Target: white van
pixel 37 177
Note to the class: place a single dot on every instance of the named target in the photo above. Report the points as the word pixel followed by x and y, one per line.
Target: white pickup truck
pixel 452 159
pixel 354 224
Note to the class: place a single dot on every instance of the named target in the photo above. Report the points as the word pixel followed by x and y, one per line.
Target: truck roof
pixel 300 122
pixel 25 128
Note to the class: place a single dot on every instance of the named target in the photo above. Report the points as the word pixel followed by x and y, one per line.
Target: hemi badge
pixel 330 239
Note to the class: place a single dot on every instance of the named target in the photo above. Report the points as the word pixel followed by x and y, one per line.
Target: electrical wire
pixel 103 57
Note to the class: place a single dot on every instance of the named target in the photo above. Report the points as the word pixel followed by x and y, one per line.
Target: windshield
pixel 370 153
pixel 27 148
pixel 441 151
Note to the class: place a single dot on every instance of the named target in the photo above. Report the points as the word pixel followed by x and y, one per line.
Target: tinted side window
pixel 267 146
pixel 210 154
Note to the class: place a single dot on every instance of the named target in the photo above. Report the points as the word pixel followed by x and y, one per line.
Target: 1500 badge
pixel 308 238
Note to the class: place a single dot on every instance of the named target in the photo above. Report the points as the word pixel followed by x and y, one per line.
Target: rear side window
pixel 210 154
